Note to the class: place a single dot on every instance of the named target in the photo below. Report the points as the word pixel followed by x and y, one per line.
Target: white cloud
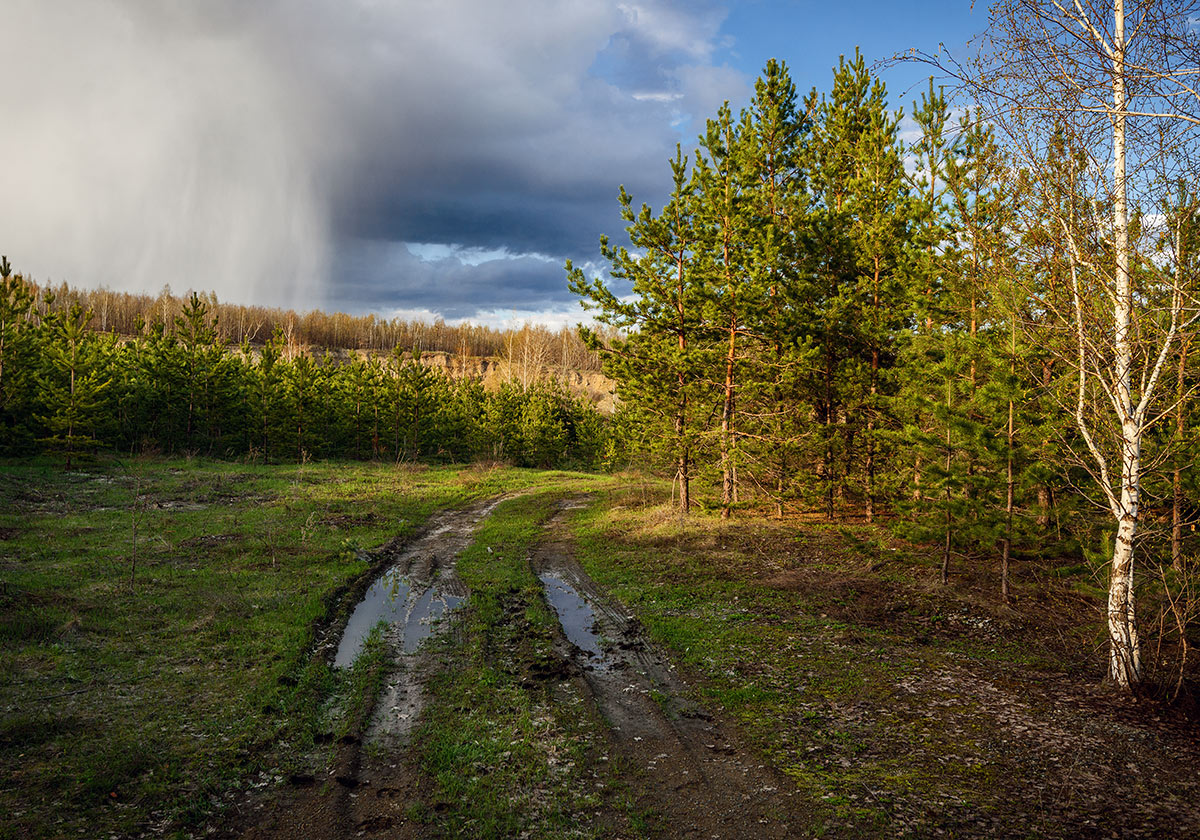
pixel 437 251
pixel 656 96
pixel 687 28
pixel 504 319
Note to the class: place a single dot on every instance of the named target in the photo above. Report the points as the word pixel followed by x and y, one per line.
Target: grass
pixel 857 679
pixel 137 697
pixel 511 749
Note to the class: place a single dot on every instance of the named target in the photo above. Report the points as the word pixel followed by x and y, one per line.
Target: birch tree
pixel 1119 80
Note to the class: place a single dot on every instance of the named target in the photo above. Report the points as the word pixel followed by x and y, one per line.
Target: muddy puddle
pixel 410 613
pixel 576 617
pixel 683 768
pixel 417 589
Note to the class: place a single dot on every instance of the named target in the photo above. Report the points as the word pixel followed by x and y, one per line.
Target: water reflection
pixel 574 614
pixel 391 600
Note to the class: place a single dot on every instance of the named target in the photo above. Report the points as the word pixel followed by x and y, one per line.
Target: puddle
pixel 386 600
pixel 574 614
pixel 390 599
pixel 429 606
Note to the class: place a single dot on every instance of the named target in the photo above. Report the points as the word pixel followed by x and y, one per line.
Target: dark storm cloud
pixel 257 147
pixel 386 275
pixel 523 221
pixel 527 145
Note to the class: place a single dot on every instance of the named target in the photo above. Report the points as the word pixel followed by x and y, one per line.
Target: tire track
pixel 692 771
pixel 358 795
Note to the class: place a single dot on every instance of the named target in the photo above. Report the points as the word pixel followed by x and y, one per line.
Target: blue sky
pixel 810 36
pixel 404 158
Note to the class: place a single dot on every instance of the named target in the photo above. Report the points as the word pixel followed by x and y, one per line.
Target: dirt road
pixel 688 773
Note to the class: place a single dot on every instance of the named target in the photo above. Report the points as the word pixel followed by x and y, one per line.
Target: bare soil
pixel 692 773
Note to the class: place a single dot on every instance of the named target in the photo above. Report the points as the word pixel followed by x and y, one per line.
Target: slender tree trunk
pixel 870 501
pixel 827 468
pixel 949 523
pixel 727 470
pixel 685 499
pixel 969 492
pixel 1125 664
pixel 1010 483
pixel 1045 498
pixel 1177 478
pixel 830 414
pixel 782 467
pixel 682 462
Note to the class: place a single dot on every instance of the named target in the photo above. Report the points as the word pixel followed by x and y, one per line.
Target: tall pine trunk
pixel 727 467
pixel 874 390
pixel 684 467
pixel 1009 481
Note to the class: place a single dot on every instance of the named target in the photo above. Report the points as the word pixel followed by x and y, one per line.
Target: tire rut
pixel 693 772
pixel 371 781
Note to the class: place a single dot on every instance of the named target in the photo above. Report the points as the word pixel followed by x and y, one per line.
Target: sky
pixel 410 158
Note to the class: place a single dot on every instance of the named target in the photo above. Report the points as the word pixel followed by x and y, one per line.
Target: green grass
pixel 140 697
pixel 817 689
pixel 138 694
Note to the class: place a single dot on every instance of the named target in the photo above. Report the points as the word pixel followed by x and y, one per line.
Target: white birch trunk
pixel 1125 667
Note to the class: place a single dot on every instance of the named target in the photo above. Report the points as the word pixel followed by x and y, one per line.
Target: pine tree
pixel 301 391
pixel 414 387
pixel 882 217
pixel 934 251
pixel 857 232
pixel 268 397
pixel 72 384
pixel 360 382
pixel 659 363
pixel 777 415
pixel 961 396
pixel 731 301
pixel 202 356
pixel 16 357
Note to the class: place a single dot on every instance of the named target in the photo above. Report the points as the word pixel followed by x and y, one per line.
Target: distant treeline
pixel 129 314
pixel 177 383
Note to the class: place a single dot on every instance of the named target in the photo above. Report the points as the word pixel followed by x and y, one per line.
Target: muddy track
pixel 692 773
pixel 358 794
